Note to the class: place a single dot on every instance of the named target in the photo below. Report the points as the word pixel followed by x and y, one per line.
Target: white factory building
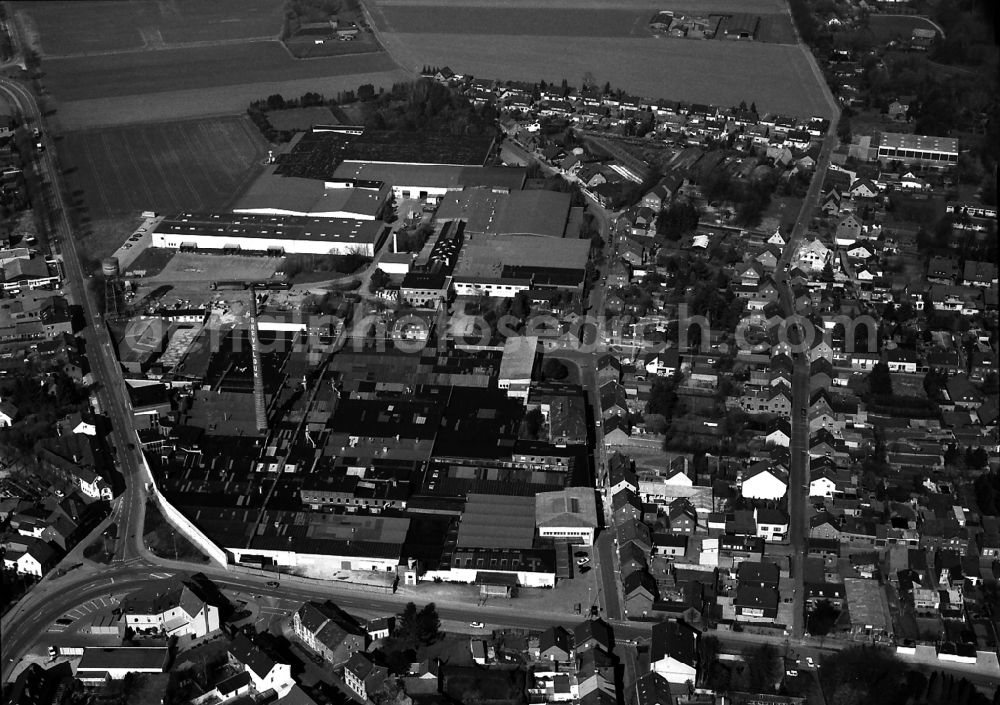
pixel 272 194
pixel 428 182
pixel 274 234
pixel 918 150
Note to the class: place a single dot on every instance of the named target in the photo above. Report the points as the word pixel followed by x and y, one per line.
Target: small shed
pixel 492 584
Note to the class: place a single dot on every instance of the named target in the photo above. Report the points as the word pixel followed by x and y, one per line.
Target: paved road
pixel 111 393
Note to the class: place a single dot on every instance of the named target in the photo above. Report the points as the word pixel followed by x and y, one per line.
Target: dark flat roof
pixel 271 227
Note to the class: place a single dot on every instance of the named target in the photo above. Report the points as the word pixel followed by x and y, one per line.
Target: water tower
pixel 114 305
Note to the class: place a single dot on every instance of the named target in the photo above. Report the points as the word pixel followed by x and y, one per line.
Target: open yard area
pixel 72 28
pixel 190 266
pixel 885 28
pixel 778 77
pixel 192 165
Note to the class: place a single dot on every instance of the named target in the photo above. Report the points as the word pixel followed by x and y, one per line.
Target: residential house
pixel 173 608
pixel 266 674
pixel 677 472
pixel 762 481
pixel 37 558
pixel 779 400
pixel 636 532
pixel 962 393
pixel 621 475
pixel 848 230
pixel 755 604
pixel 616 431
pixel 901 360
pixel 669 545
pixel 863 188
pixel 777 239
pixel 824 526
pixel 812 256
pixel 609 369
pixel 364 677
pixel 674 652
pixel 619 273
pixel 942 270
pixel 772 524
pixel 682 516
pixel 9 413
pixel 626 506
pixel 614 400
pixel 861 252
pixel 555 644
pixel 592 634
pixel 631 558
pixel 768 257
pixel 779 432
pixel 979 273
pixel 640 593
pixel 329 632
pixel 665 191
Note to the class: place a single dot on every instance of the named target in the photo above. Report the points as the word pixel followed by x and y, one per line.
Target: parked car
pixel 477 625
pixel 583 561
pixel 273 584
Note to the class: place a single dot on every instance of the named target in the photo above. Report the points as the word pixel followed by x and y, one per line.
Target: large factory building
pixel 273 234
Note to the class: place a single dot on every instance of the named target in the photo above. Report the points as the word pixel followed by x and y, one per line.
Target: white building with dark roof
pixel 921 150
pixel 265 673
pixel 99 663
pixel 569 515
pixel 279 234
pixel 175 608
pixel 327 631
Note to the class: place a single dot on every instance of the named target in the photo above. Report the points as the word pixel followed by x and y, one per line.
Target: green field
pixel 778 77
pixel 144 72
pixel 538 21
pixel 566 39
pixel 112 63
pixel 67 28
pixel 192 165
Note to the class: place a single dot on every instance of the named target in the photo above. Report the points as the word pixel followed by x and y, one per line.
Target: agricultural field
pixel 107 63
pixel 364 43
pixel 778 77
pixel 650 6
pixel 199 103
pixel 144 72
pixel 195 165
pixel 547 21
pixel 73 28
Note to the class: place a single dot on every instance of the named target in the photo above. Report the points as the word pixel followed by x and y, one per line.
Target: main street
pixel 798 472
pixel 111 391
